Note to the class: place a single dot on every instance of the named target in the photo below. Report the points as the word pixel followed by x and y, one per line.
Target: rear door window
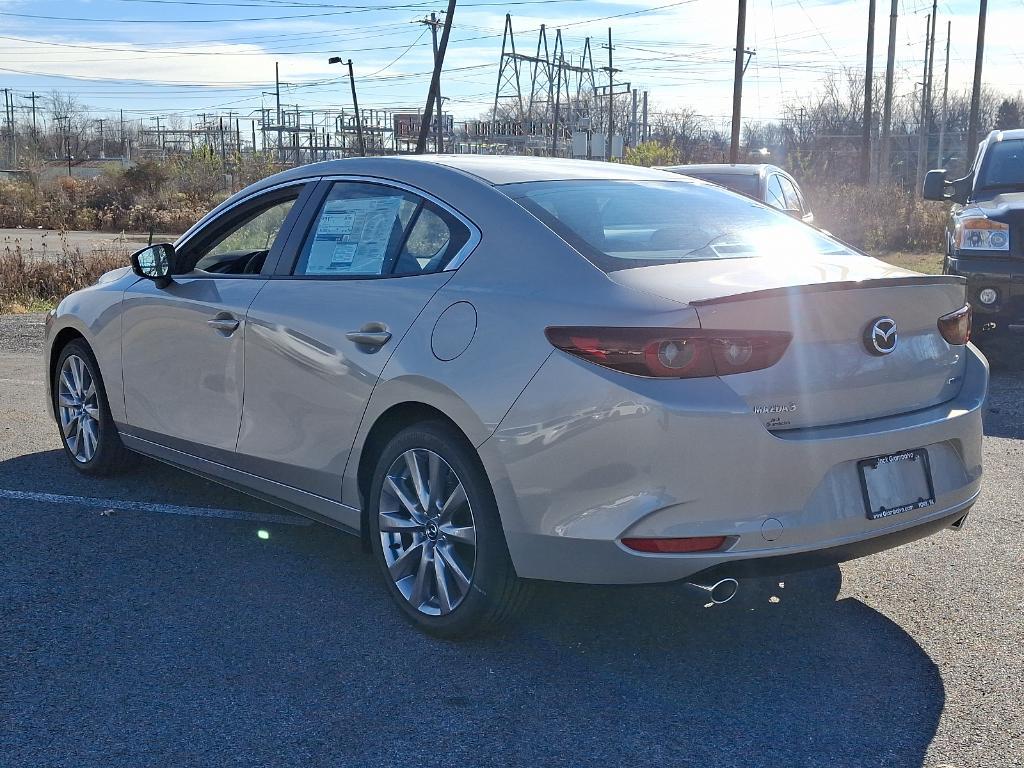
pixel 373 230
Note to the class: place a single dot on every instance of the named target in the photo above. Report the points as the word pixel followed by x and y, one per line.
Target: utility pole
pixel 558 104
pixel 869 74
pixel 122 136
pixel 972 129
pixel 945 96
pixel 645 133
pixel 100 121
pixel 928 87
pixel 737 82
pixel 633 125
pixel 922 129
pixel 435 80
pixel 277 98
pixel 355 102
pixel 10 130
pixel 883 160
pixel 611 101
pixel 34 97
pixel 433 22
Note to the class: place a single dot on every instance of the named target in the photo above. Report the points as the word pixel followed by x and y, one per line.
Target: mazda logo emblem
pixel 881 336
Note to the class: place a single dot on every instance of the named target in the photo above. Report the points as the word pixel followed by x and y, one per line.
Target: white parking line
pixel 143 506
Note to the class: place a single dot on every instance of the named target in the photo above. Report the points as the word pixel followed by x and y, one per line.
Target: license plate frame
pixel 875 471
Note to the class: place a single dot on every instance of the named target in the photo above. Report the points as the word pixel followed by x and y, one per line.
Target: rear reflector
pixel 956 326
pixel 677 353
pixel 690 544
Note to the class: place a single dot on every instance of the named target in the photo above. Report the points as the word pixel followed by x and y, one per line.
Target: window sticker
pixel 352 236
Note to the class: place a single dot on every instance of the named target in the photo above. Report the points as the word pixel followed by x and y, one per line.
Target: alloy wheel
pixel 427 532
pixel 78 408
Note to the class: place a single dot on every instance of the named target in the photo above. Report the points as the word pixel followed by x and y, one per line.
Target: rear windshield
pixel 623 224
pixel 744 183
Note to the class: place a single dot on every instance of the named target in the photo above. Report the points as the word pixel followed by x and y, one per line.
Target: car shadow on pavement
pixel 136 638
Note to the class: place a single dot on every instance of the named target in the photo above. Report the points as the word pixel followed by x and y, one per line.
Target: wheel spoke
pixel 433 481
pixel 89 448
pixel 459 576
pixel 76 374
pixel 454 502
pixel 403 498
pixel 406 562
pixel 416 475
pixel 421 591
pixel 70 424
pixel 65 399
pixel 393 523
pixel 66 380
pixel 461 534
pixel 444 600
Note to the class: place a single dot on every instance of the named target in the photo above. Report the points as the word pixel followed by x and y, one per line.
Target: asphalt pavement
pixel 156 619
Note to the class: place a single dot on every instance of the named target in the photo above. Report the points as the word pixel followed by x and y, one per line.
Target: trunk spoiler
pixel 846 285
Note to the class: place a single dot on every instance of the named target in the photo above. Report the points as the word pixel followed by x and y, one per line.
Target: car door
pixel 182 344
pixel 351 283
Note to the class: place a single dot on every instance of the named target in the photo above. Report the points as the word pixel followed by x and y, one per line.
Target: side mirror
pixel 935 185
pixel 155 263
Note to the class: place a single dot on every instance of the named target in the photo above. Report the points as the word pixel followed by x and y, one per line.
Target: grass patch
pixel 34 283
pixel 927 263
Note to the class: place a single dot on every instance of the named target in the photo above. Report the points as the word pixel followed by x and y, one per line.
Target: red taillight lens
pixel 689 544
pixel 678 353
pixel 956 326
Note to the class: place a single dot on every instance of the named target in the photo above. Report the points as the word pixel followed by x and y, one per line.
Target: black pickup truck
pixel 985 233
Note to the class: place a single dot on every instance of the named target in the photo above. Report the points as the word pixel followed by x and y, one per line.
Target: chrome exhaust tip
pixel 720 592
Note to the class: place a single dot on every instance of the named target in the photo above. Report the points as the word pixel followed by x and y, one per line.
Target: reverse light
pixel 956 326
pixel 982 234
pixel 676 546
pixel 676 353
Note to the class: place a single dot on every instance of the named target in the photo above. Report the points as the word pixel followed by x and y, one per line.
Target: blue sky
pixel 184 56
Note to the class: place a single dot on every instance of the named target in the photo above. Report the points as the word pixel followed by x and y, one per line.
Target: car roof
pixel 490 169
pixel 1015 133
pixel 725 169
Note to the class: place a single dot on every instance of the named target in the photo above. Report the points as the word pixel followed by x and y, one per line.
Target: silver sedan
pixel 497 370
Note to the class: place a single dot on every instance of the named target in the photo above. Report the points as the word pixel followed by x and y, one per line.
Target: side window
pixel 789 192
pixel 776 197
pixel 372 230
pixel 242 247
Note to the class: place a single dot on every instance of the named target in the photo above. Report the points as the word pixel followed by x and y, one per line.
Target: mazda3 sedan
pixel 497 370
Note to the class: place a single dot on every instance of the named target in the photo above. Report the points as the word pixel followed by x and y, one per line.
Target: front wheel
pixel 87 429
pixel 436 533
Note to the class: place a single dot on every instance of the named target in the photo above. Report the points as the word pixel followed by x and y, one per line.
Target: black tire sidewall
pixel 107 439
pixel 493 566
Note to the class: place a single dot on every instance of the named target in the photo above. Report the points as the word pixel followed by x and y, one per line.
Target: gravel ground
pixel 134 638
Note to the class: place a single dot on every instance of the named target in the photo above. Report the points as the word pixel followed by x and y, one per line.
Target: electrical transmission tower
pixel 559 95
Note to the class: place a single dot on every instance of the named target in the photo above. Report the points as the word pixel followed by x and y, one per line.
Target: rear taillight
pixel 688 544
pixel 956 326
pixel 677 353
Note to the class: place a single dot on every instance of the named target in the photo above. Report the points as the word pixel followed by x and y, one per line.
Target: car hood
pixel 714 278
pixel 998 205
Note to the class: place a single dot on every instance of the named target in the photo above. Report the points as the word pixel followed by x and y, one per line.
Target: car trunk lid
pixel 831 373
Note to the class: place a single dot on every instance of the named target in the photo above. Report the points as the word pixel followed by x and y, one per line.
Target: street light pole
pixel 355 101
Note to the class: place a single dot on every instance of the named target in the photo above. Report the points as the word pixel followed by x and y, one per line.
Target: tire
pixel 87 429
pixel 442 584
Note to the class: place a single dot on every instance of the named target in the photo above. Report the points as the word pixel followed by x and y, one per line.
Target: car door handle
pixel 225 324
pixel 370 335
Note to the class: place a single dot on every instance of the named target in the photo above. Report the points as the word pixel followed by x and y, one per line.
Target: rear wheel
pixel 436 533
pixel 87 429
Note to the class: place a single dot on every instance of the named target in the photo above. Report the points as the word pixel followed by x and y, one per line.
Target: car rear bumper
pixel 622 460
